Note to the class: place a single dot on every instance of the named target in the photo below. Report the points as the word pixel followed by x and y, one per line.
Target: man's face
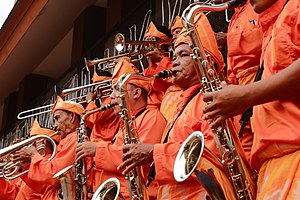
pixel 115 98
pixel 131 90
pixel 184 66
pixel 261 5
pixel 176 33
pixel 63 122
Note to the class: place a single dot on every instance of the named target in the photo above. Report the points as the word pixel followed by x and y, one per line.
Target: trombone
pixel 102 88
pixel 120 45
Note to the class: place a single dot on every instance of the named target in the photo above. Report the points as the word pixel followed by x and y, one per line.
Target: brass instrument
pixel 75 185
pixel 136 186
pixel 120 45
pixel 110 62
pixel 102 88
pixel 226 139
pixel 66 178
pixel 7 154
pixel 110 189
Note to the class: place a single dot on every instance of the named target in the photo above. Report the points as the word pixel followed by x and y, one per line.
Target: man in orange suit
pixel 186 119
pixel 276 150
pixel 158 61
pixel 104 125
pixel 108 155
pixel 244 40
pixel 172 94
pixel 66 115
pixel 20 189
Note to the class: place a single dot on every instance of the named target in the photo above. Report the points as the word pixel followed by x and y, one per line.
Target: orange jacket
pixel 244 40
pixel 276 124
pixel 27 193
pixel 42 170
pixel 17 189
pixel 164 154
pixel 9 190
pixel 170 99
pixel 150 125
pixel 104 124
pixel 159 86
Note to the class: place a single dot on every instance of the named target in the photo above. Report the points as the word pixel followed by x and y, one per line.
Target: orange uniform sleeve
pixel 150 126
pixel 9 190
pixel 42 170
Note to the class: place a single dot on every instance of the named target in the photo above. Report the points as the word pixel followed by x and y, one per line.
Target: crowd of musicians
pixel 259 98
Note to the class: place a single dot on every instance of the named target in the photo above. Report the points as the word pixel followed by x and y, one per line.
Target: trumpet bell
pixel 119 42
pixel 188 156
pixel 109 190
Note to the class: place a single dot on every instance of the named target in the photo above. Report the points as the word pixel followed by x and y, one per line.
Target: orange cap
pixel 123 67
pixel 207 38
pixel 70 106
pixel 36 129
pixel 182 38
pixel 177 23
pixel 97 78
pixel 138 81
pixel 153 32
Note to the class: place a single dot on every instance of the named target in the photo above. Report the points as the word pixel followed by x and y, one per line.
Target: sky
pixel 5 8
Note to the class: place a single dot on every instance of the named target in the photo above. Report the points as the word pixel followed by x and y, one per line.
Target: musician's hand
pixel 17 141
pixel 154 56
pixel 136 155
pixel 230 101
pixel 86 149
pixel 91 96
pixel 90 195
pixel 123 58
pixel 26 153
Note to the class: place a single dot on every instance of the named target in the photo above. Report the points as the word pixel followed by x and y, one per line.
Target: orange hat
pixel 140 82
pixel 182 38
pixel 97 78
pixel 153 32
pixel 70 106
pixel 36 129
pixel 123 67
pixel 207 38
pixel 177 23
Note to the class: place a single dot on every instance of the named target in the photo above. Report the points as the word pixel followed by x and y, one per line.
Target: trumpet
pixel 7 154
pixel 120 45
pixel 102 88
pixel 109 62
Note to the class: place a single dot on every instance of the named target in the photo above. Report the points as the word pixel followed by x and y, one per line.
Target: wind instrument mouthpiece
pixel 165 74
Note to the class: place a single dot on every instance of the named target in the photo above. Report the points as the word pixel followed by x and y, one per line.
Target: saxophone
pixel 134 179
pixel 234 165
pixel 74 187
pixel 110 189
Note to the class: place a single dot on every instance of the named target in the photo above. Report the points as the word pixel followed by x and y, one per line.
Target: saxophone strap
pixel 245 119
pixel 151 174
pixel 133 117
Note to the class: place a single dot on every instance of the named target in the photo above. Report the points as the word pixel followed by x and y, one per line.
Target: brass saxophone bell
pixel 109 190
